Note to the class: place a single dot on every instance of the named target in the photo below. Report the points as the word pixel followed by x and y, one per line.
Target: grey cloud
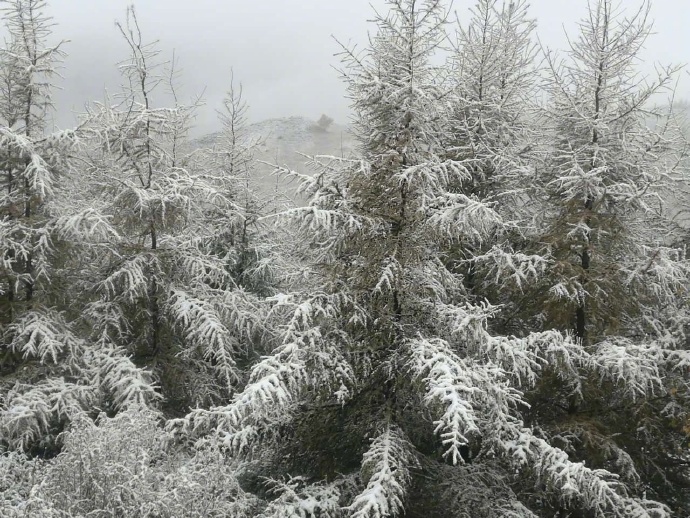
pixel 281 50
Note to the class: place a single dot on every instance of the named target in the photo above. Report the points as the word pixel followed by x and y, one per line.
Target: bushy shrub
pixel 123 466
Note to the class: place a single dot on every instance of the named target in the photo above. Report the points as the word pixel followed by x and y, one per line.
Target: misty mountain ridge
pixel 284 142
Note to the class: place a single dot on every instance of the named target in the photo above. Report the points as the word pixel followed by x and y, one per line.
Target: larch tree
pixel 164 296
pixel 150 318
pixel 493 77
pixel 616 280
pixel 31 156
pixel 240 236
pixel 386 394
pixel 30 162
pixel 39 349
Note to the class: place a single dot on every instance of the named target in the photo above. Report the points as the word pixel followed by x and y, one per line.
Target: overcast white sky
pixel 281 50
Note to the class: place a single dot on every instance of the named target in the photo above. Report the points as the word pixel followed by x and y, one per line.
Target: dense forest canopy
pixel 480 309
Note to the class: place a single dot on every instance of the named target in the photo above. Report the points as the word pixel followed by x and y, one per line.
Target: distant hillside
pixel 282 142
pixel 284 139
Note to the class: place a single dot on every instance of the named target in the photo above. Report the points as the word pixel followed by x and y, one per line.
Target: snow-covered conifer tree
pixel 37 342
pixel 143 305
pixel 386 391
pixel 163 293
pixel 30 159
pixel 615 279
pixel 493 77
pixel 240 237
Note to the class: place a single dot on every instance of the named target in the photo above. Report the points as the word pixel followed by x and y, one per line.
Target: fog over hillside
pixel 284 142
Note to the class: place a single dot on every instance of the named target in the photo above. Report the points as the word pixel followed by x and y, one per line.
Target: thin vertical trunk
pixel 585 262
pixel 28 265
pixel 586 259
pixel 10 253
pixel 31 49
pixel 154 307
